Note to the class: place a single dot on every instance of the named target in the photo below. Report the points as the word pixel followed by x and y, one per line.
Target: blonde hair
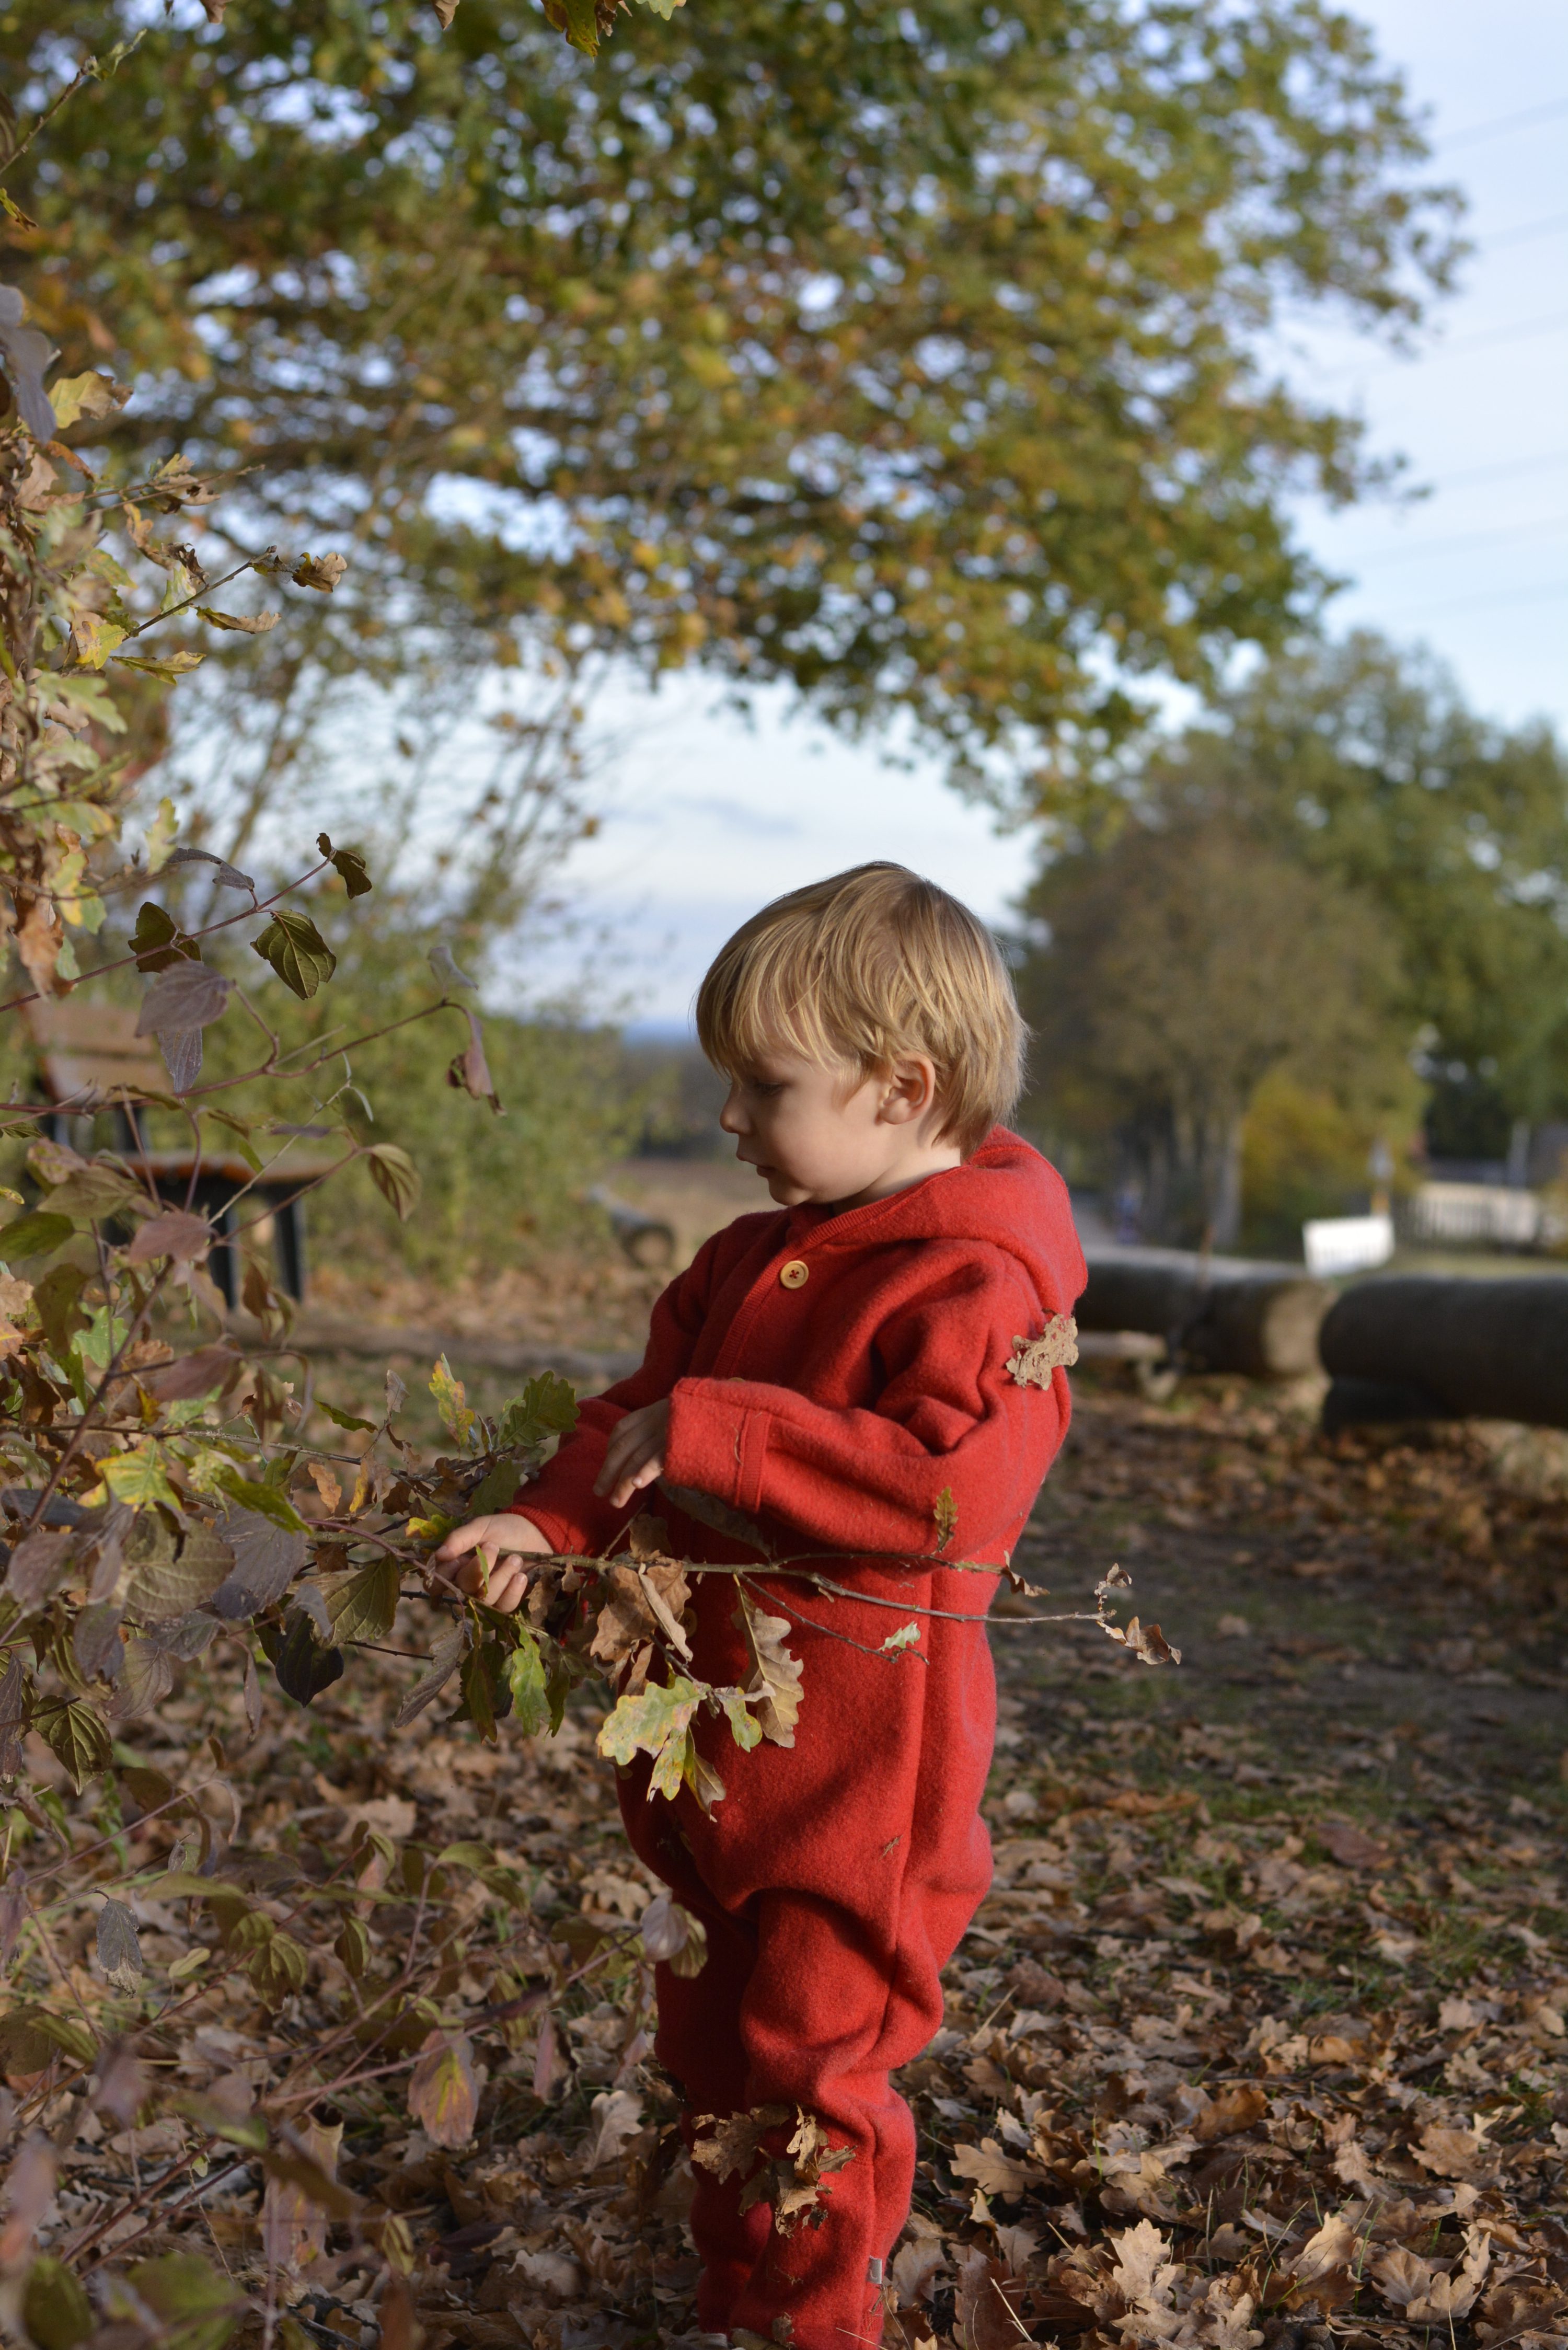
pixel 870 967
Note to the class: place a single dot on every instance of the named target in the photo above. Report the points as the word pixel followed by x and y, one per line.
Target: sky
pixel 705 818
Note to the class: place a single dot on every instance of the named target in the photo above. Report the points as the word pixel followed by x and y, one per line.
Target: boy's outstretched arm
pixel 572 1506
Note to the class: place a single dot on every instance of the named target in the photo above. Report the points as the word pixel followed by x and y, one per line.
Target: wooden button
pixel 795 1273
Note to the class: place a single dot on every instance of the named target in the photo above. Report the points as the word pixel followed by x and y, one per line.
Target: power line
pixel 1500 473
pixel 1519 332
pixel 1505 122
pixel 1475 603
pixel 1521 235
pixel 1456 545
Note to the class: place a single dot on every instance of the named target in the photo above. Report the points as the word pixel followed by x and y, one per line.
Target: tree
pixel 1362 764
pixel 1182 963
pixel 913 359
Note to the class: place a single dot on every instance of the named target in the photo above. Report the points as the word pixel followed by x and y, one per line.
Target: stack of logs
pixel 1397 1346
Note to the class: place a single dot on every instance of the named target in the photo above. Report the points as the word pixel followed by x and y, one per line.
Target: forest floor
pixel 1259 2039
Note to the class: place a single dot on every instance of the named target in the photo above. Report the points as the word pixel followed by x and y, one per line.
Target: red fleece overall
pixel 835 1377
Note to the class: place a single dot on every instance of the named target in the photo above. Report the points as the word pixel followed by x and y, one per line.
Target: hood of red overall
pixel 1006 1194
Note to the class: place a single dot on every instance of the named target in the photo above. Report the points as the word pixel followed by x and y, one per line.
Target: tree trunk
pixel 1418 1345
pixel 1225 1188
pixel 1219 1314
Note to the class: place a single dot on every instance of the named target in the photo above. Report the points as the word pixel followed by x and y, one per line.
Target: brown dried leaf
pixel 186 1239
pixel 192 1374
pixel 1332 2248
pixel 1399 2276
pixel 39 1565
pixel 776 1685
pixel 625 1618
pixel 469 1071
pixel 1232 2111
pixel 1034 1361
pixel 302 2192
pixel 736 2143
pixel 29 2191
pixel 319 571
pixel 1350 1846
pixel 1146 1642
pixel 994 2172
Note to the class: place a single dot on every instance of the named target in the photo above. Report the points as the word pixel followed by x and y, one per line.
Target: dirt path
pixel 1396 1604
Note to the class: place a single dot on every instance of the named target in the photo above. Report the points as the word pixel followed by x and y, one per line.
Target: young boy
pixel 838 1370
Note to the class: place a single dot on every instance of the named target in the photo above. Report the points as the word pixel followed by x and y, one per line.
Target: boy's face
pixel 820 1134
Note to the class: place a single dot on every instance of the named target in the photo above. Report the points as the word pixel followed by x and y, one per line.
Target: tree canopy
pixel 1362 764
pixel 917 358
pixel 1183 963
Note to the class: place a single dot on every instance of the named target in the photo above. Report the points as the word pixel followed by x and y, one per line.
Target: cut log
pixel 1464 1349
pixel 1216 1313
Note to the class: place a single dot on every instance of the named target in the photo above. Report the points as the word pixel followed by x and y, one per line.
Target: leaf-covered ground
pixel 1259 2039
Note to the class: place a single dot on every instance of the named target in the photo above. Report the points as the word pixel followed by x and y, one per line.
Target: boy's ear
pixel 909 1091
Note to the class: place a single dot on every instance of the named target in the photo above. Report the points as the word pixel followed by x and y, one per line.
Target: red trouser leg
pixel 698 2043
pixel 836 1879
pixel 823 2026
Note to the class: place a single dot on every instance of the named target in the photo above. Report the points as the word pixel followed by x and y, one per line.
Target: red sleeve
pixel 950 1418
pixel 561 1502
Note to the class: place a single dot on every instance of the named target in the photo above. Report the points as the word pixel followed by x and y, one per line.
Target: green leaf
pixel 198 2307
pixel 496 1489
pixel 30 2036
pixel 353 1947
pixel 486 1691
pixel 248 2130
pixel 165 666
pixel 279 1968
pixel 37 1234
pixel 396 1178
pixel 908 1636
pixel 180 1885
pixel 944 1515
pixel 363 1603
pixel 296 951
pixel 91 1193
pixel 139 1478
pixel 162 1585
pixel 57 1299
pixel 55 2309
pixel 269 1501
pixel 546 1407
pixel 451 1403
pixel 304 1665
pixel 467 1854
pixel 656 1723
pixel 745 1727
pixel 350 867
pixel 157 941
pixel 95 638
pixel 75 396
pixel 340 1419
pixel 580 21
pixel 526 1679
pixel 76 1736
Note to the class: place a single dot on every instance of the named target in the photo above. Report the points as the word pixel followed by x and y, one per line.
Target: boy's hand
pixel 635 1456
pixel 485 1557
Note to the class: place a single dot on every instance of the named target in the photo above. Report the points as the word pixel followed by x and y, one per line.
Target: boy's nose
pixel 732 1119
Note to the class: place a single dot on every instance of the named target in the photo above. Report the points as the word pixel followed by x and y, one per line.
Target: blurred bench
pixel 92 1064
